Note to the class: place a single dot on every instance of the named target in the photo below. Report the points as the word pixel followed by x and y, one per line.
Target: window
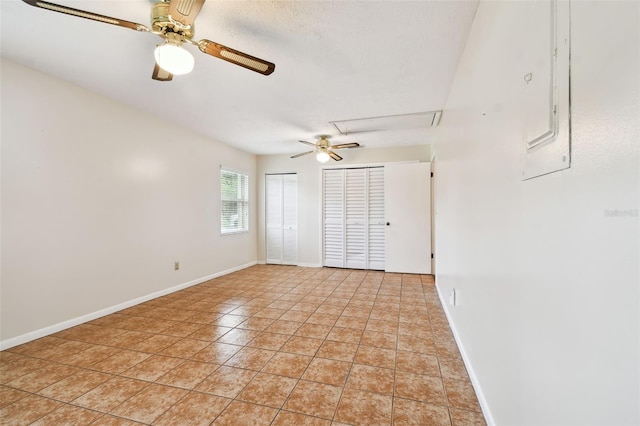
pixel 234 202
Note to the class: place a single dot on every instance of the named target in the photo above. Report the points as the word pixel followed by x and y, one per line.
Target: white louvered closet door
pixel 353 218
pixel 281 219
pixel 274 218
pixel 333 217
pixel 290 219
pixel 376 218
pixel 356 218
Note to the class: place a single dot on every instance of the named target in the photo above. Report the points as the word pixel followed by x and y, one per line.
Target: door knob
pixel 388 224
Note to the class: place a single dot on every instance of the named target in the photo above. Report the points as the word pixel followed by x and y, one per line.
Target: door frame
pixel 434 212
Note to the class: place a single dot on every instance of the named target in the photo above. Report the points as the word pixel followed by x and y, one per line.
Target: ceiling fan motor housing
pixel 161 22
pixel 323 143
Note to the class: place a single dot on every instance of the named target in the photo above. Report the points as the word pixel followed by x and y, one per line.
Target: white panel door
pixel 356 218
pixel 376 218
pixel 407 208
pixel 290 219
pixel 333 217
pixel 281 218
pixel 273 186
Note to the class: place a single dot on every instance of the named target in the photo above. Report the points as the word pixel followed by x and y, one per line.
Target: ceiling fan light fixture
pixel 174 58
pixel 322 157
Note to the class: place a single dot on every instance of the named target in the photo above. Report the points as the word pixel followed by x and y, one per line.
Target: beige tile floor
pixel 268 345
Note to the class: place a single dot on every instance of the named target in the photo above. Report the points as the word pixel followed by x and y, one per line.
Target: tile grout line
pixel 446 397
pixel 395 364
pixel 290 337
pixel 353 361
pixel 307 367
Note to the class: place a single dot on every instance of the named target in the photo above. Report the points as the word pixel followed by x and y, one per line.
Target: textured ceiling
pixel 335 60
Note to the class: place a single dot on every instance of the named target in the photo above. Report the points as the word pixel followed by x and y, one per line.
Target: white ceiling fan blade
pixel 160 74
pixel 301 154
pixel 87 15
pixel 185 11
pixel 236 57
pixel 334 155
pixel 346 145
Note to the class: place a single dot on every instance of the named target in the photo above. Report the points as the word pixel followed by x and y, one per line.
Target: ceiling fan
pixel 324 149
pixel 172 20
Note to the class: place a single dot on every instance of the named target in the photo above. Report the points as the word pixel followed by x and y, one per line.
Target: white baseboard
pixel 33 335
pixel 302 265
pixel 310 265
pixel 472 376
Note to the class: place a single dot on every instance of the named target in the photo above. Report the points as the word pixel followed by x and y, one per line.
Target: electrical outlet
pixel 176 265
pixel 452 297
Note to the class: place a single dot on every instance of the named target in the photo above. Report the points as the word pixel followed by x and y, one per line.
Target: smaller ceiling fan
pixel 324 149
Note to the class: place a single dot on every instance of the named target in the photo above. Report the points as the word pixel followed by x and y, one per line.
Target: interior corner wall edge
pixel 98 202
pixel 546 273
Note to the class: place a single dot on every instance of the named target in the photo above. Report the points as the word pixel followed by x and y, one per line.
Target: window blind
pixel 234 202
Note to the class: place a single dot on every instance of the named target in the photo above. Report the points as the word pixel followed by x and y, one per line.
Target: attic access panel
pixel 544 98
pixel 388 122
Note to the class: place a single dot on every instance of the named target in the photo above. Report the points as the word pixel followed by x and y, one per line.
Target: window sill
pixel 244 231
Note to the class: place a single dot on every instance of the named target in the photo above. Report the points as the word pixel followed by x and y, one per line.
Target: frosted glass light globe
pixel 174 59
pixel 322 157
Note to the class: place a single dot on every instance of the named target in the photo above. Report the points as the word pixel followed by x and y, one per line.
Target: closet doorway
pixel 282 218
pixel 377 217
pixel 353 218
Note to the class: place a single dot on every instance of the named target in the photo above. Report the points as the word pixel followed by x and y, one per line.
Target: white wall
pixel 547 282
pixel 99 200
pixel 309 172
